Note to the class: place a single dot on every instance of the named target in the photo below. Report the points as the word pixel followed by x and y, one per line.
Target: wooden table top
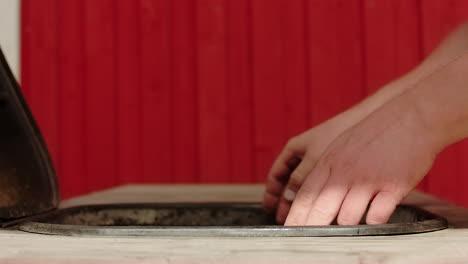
pixel 446 246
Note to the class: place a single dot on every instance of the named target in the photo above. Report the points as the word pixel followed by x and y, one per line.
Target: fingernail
pixel 289 195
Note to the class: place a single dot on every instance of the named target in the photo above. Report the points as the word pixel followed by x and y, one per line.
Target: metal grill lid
pixel 28 184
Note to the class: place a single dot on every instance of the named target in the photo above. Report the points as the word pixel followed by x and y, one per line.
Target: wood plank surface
pixel 446 246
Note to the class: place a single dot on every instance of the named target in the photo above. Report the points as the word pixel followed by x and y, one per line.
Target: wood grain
pixel 72 164
pixel 184 106
pixel 447 246
pixel 155 91
pixel 212 90
pixel 336 60
pixel 128 80
pixel 100 97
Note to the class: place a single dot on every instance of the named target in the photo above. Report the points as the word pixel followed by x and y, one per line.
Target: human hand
pixel 296 161
pixel 379 160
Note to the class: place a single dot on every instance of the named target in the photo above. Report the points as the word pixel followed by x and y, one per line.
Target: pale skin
pixel 375 153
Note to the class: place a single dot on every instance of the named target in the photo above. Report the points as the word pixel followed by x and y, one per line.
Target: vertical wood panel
pixel 71 84
pixel 128 89
pixel 184 87
pixel 239 77
pixel 295 92
pixel 392 40
pixel 40 55
pixel 212 91
pixel 336 68
pixel 268 83
pixel 155 91
pixel 448 176
pixel 100 93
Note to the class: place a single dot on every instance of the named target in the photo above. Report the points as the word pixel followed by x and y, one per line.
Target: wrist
pixel 400 116
pixel 439 101
pixel 423 130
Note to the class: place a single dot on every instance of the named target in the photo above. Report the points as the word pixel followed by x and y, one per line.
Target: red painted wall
pixel 210 90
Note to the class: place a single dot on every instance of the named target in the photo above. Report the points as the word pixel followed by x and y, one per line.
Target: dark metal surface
pixel 210 219
pixel 27 180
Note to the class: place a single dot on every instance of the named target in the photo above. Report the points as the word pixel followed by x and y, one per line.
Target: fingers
pixel 295 181
pixel 327 205
pixel 270 201
pixel 297 177
pixel 382 207
pixel 279 173
pixel 354 206
pixel 307 194
pixel 323 196
pixel 282 212
pixel 278 177
pixel 276 180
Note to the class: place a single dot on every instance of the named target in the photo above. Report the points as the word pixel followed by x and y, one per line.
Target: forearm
pixel 451 47
pixel 377 151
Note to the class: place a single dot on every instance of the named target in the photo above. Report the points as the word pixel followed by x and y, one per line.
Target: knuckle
pixel 392 195
pixel 310 185
pixel 304 197
pixel 296 178
pixel 294 185
pixel 326 161
pixel 393 191
pixel 306 194
pixel 292 143
pixel 302 201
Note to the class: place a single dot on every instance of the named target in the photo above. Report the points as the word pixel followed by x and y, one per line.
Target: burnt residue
pixel 161 215
pixel 184 215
